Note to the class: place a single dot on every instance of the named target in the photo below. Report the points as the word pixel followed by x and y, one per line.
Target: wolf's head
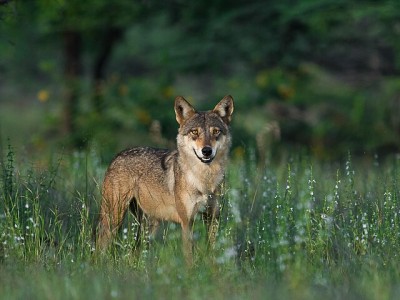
pixel 205 134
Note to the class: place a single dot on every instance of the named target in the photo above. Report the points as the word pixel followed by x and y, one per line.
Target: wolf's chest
pixel 205 182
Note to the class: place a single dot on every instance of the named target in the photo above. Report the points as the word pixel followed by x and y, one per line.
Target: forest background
pixel 315 76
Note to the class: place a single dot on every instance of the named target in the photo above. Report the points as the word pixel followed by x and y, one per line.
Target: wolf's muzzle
pixel 207 155
pixel 206 151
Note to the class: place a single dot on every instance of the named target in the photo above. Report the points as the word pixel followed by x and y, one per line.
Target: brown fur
pixel 171 185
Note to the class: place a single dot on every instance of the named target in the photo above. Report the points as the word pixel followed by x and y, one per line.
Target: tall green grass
pixel 295 229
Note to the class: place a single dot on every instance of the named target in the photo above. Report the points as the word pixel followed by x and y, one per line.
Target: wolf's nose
pixel 207 151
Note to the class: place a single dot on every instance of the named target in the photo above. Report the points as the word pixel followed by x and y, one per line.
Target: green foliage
pixel 329 62
pixel 89 16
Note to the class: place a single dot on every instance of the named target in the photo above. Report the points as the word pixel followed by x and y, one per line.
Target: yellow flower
pixel 123 90
pixel 286 91
pixel 43 95
pixel 143 116
pixel 168 91
pixel 262 79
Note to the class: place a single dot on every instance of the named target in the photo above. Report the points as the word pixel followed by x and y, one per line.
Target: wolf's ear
pixel 183 110
pixel 225 109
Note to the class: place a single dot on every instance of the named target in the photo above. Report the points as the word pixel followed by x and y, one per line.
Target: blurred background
pixel 317 76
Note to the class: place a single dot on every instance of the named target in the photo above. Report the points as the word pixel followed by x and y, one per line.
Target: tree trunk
pixel 72 71
pixel 110 38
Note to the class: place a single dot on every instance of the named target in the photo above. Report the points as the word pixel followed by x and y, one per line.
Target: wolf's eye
pixel 194 132
pixel 216 131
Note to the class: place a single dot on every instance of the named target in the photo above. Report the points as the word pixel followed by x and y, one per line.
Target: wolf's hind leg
pixel 154 224
pixel 112 212
pixel 137 212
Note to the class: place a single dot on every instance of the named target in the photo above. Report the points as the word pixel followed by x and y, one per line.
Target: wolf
pixel 173 185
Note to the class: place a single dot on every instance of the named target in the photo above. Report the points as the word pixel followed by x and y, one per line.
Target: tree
pixel 92 28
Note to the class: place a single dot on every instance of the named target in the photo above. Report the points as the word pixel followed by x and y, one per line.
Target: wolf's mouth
pixel 205 160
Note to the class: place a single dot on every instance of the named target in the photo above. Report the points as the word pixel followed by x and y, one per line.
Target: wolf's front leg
pixel 187 243
pixel 186 214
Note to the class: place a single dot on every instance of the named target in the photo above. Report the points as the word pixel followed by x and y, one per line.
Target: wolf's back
pixel 141 164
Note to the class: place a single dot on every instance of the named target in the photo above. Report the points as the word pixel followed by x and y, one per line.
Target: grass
pixel 299 229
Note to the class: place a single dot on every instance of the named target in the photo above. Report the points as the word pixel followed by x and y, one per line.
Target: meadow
pixel 294 229
pixel 295 224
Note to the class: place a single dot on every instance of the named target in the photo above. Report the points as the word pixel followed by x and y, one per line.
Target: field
pixel 311 200
pixel 297 229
